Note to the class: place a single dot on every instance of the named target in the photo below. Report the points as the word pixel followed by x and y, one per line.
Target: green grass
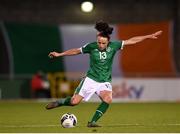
pixel 31 116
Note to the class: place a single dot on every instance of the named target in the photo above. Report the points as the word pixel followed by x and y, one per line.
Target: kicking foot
pixel 52 105
pixel 92 124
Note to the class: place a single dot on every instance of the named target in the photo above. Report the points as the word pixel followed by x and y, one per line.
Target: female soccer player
pixel 98 77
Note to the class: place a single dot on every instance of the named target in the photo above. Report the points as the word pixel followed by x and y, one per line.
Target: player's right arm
pixel 74 51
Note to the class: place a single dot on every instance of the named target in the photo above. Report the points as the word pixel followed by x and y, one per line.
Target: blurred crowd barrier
pixel 39 85
pixel 63 84
pixel 60 85
pixel 146 89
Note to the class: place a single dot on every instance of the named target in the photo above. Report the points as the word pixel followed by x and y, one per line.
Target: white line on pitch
pixel 40 126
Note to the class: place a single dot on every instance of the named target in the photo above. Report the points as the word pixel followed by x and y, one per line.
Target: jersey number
pixel 102 55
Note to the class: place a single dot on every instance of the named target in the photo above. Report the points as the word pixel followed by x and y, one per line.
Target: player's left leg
pixel 105 93
pixel 106 97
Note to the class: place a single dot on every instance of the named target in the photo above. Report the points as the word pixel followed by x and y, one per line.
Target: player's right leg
pixel 68 101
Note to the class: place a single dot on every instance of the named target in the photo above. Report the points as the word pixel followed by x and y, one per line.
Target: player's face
pixel 102 42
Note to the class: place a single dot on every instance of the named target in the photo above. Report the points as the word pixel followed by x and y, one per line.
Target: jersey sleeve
pixel 86 48
pixel 118 45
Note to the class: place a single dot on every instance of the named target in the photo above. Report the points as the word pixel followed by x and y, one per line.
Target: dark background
pixel 113 11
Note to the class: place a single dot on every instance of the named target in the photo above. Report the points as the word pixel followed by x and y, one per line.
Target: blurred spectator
pixel 40 86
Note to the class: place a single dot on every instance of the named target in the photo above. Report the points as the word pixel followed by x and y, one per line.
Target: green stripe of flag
pixel 31 44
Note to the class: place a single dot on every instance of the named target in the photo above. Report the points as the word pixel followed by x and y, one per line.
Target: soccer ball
pixel 68 120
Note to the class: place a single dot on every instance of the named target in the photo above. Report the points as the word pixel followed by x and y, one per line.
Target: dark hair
pixel 103 28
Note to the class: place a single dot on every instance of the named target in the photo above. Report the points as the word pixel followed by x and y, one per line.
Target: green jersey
pixel 101 60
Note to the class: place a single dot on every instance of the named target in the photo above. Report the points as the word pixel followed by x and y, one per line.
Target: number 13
pixel 102 55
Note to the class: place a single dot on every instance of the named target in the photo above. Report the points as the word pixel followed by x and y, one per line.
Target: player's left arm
pixel 138 39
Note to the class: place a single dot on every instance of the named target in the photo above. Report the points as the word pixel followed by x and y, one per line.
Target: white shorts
pixel 88 87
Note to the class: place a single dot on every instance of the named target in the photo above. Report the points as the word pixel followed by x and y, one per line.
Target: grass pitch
pixel 32 117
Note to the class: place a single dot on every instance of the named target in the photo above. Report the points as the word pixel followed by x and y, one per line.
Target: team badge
pixel 108 49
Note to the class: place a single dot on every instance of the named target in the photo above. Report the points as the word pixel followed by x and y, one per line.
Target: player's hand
pixel 53 54
pixel 154 35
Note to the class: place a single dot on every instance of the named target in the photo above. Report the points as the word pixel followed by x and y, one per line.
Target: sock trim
pixel 99 111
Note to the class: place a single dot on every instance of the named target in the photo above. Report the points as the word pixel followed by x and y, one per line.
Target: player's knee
pixel 75 101
pixel 108 99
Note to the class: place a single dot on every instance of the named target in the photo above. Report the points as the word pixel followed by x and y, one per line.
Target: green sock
pixel 65 101
pixel 100 111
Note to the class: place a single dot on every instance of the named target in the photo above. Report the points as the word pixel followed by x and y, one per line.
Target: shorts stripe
pixel 79 86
